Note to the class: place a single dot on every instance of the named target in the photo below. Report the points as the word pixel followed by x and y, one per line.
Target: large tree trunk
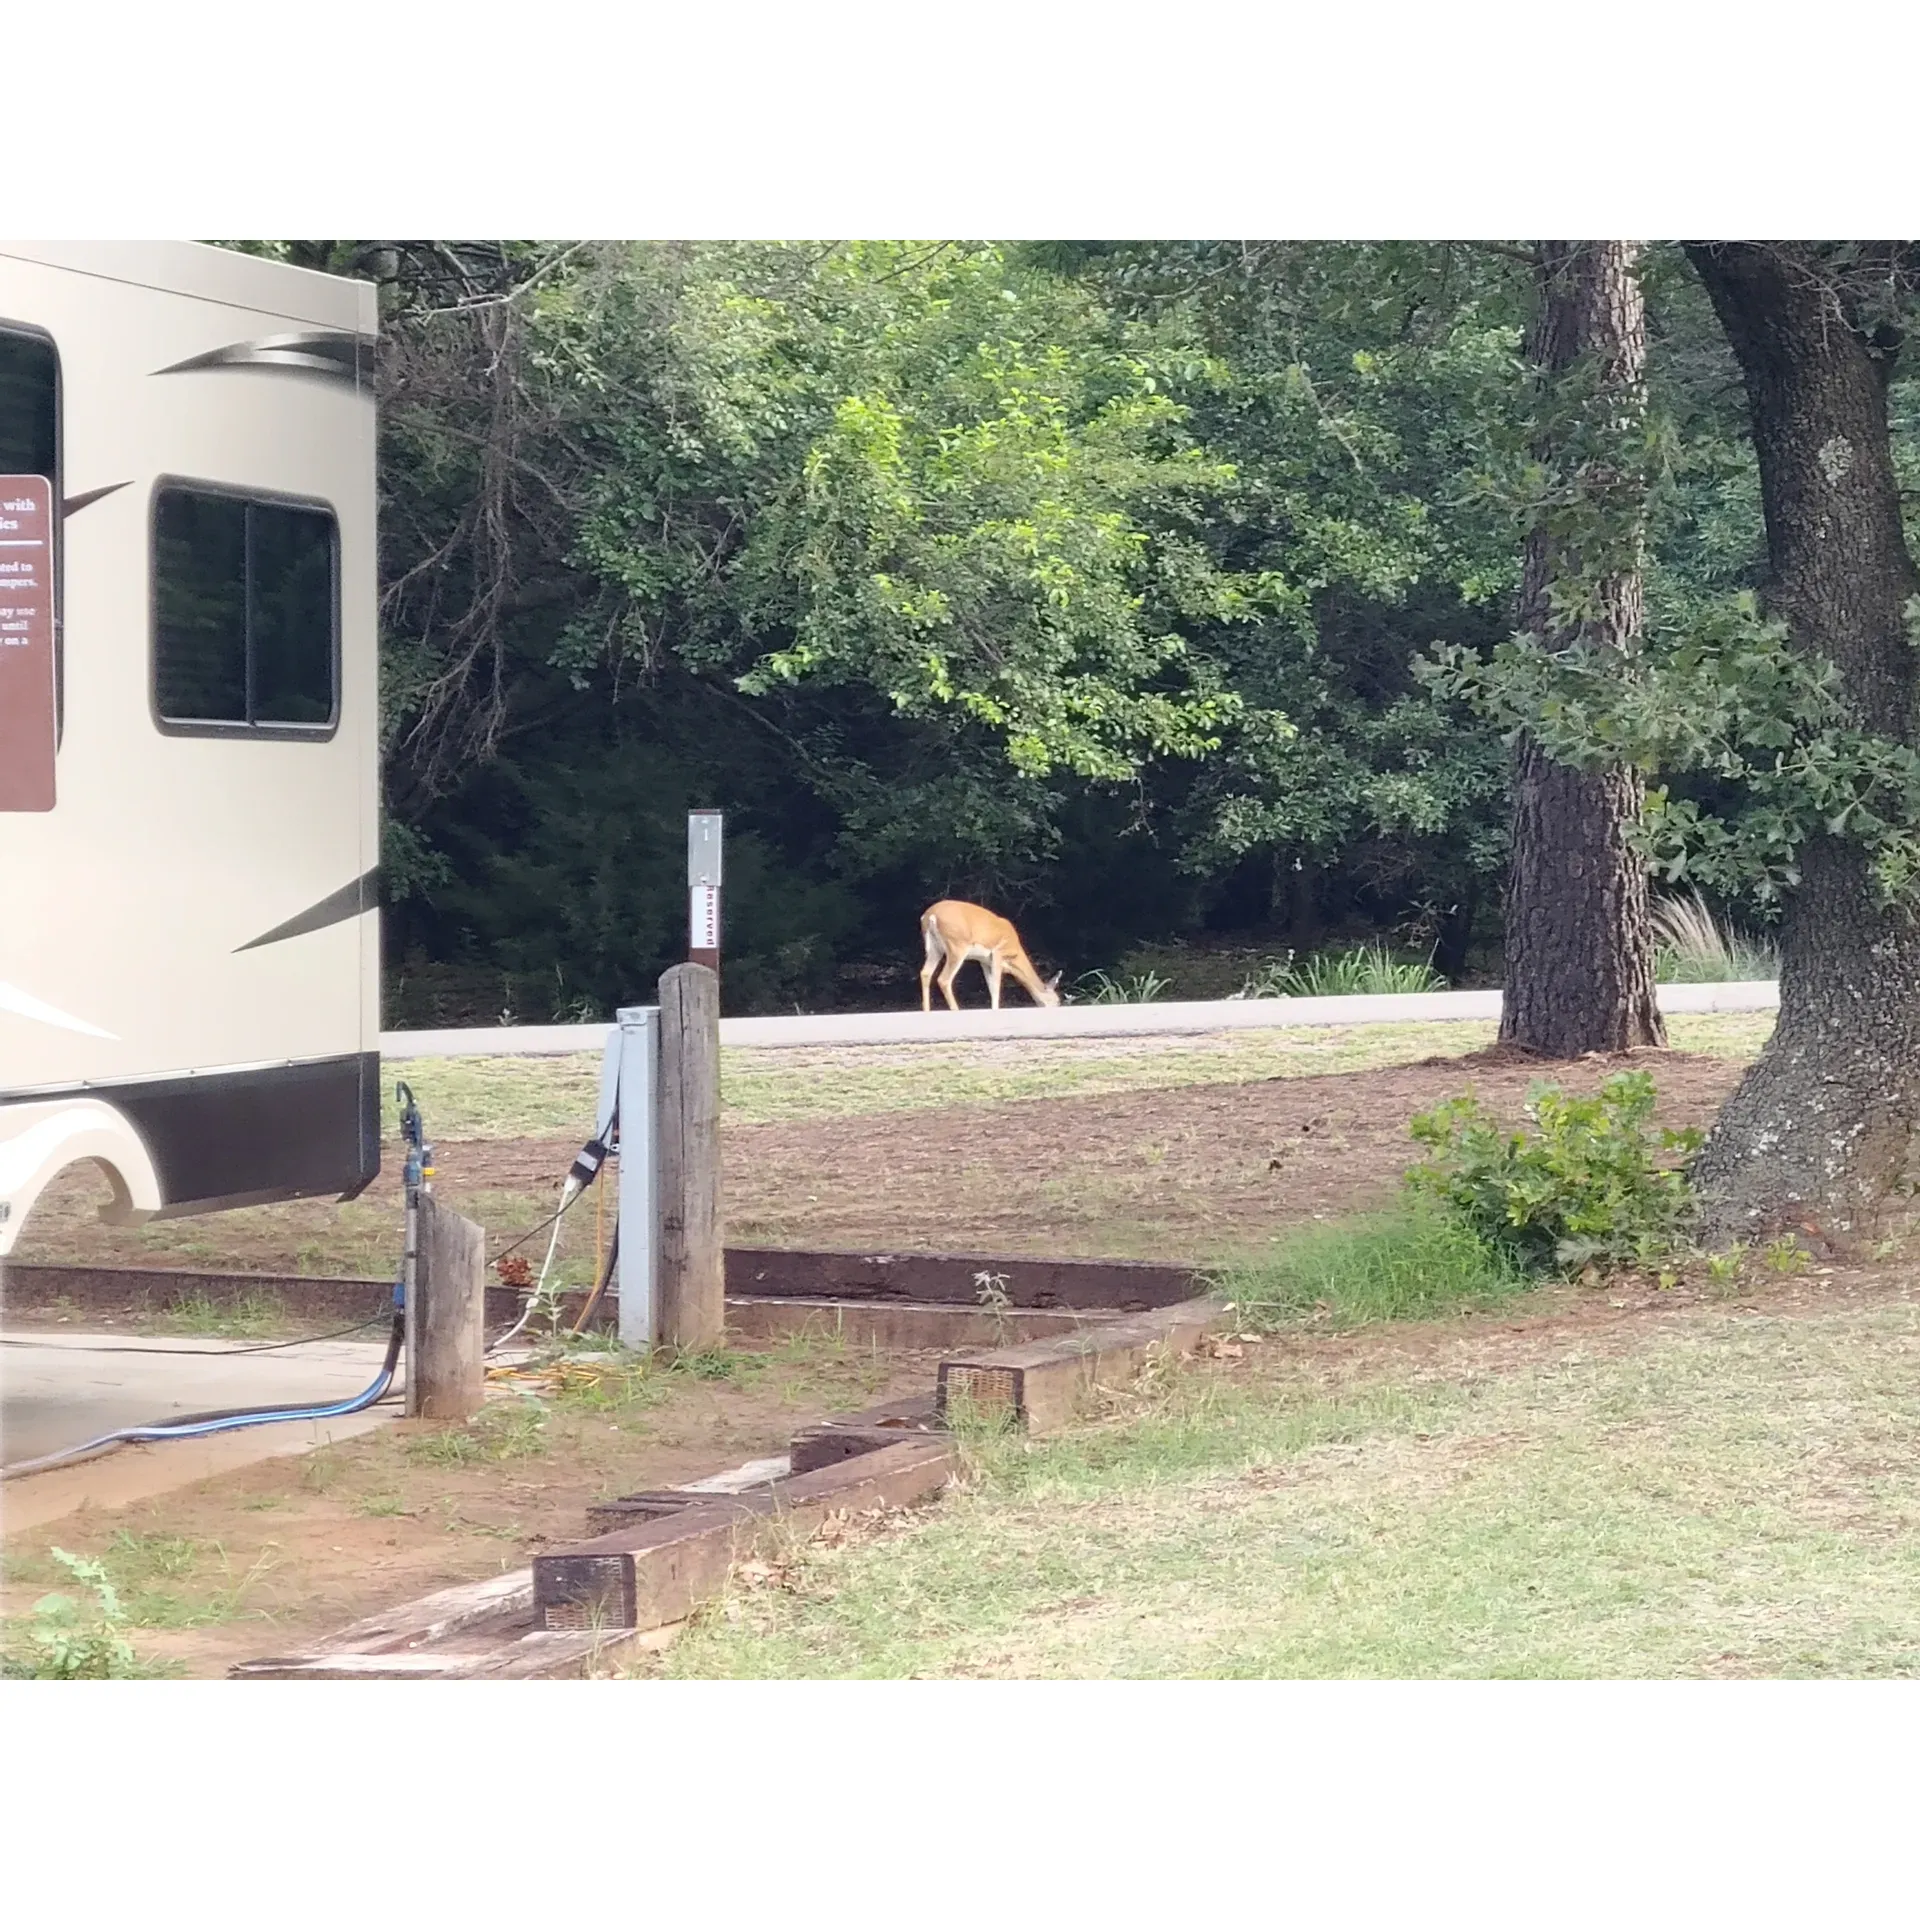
pixel 1820 1131
pixel 1578 938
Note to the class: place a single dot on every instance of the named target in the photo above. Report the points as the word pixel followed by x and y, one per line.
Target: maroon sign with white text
pixel 27 721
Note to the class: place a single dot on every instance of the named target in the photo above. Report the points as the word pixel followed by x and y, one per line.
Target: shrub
pixel 1414 1263
pixel 1374 969
pixel 1690 944
pixel 1586 1189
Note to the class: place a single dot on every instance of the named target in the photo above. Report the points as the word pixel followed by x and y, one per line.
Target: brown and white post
pixel 705 832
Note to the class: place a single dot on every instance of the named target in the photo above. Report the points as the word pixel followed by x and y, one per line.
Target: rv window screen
pixel 29 404
pixel 246 615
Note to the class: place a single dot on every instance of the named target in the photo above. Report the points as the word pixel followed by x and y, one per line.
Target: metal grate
pixel 565 1617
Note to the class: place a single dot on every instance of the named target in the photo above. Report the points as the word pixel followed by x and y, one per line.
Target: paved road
pixel 1056 1023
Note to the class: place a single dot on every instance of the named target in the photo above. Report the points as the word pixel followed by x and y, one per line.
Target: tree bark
pixel 1819 1133
pixel 1578 938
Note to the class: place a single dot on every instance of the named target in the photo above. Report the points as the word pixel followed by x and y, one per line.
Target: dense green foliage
pixel 1583 1187
pixel 1157 594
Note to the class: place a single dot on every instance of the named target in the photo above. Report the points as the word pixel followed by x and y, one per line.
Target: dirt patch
pixel 270 1557
pixel 1169 1173
pixel 1151 1173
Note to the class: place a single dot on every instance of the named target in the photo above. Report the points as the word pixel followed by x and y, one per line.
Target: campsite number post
pixel 704 832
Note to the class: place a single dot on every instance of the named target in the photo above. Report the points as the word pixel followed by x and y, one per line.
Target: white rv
pixel 189 832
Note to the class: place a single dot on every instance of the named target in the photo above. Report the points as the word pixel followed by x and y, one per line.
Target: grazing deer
pixel 955 933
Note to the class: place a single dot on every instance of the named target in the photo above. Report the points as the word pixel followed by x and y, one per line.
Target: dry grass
pixel 1731 1494
pixel 510 1098
pixel 1691 943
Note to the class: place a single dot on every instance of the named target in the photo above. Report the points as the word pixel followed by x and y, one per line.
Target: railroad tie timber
pixel 407 1641
pixel 902 1301
pixel 849 1435
pixel 660 1554
pixel 656 1573
pixel 1059 1285
pixel 1047 1384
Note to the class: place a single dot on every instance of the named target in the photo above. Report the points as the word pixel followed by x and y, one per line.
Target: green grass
pixel 511 1098
pixel 1415 1263
pixel 514 1098
pixel 1735 1495
pixel 503 1430
pixel 1731 1036
pixel 239 1316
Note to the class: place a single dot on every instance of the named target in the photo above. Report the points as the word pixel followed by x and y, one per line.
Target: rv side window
pixel 29 404
pixel 246 612
pixel 30 443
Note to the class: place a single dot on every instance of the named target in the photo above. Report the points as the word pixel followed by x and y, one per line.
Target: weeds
pixel 1785 1256
pixel 716 1363
pixel 507 1430
pixel 241 1316
pixel 990 1291
pixel 148 1569
pixel 67 1639
pixel 1415 1263
pixel 1723 1272
pixel 145 1557
pixel 1584 1191
pixel 320 1469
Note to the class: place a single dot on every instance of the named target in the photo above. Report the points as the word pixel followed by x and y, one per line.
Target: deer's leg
pixel 993 981
pixel 926 978
pixel 947 972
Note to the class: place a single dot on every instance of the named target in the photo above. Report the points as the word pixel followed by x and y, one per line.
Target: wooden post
pixel 451 1298
pixel 692 1287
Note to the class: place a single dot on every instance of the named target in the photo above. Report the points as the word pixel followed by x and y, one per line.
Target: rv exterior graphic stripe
pixel 348 903
pixel 333 356
pixel 68 508
pixel 253 1136
pixel 12 1000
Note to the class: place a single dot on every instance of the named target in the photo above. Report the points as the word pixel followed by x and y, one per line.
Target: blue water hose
pixel 188 1426
pixel 191 1426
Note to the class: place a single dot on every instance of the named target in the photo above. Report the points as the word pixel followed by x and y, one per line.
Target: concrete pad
pixel 59 1389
